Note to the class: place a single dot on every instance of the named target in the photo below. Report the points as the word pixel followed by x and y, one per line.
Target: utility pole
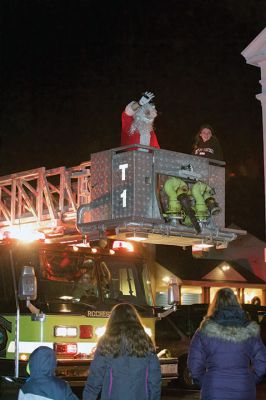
pixel 255 54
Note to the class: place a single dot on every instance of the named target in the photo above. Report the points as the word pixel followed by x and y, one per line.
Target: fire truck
pixel 72 247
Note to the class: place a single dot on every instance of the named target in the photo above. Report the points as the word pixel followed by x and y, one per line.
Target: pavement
pixel 8 392
pixel 11 394
pixel 179 394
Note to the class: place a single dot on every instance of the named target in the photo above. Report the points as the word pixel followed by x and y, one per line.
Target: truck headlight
pixel 100 331
pixel 65 331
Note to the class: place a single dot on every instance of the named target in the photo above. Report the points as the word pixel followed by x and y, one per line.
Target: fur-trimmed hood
pixel 233 333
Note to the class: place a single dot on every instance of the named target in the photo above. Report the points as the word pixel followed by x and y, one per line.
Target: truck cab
pixel 76 290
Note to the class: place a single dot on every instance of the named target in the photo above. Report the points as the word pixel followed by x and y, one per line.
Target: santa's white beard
pixel 144 130
pixel 144 124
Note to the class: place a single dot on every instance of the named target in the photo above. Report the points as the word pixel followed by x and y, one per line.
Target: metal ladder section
pixel 47 199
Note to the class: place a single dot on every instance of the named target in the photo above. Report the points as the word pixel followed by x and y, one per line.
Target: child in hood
pixel 43 384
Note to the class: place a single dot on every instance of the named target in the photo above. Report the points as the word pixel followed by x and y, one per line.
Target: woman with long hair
pixel 227 356
pixel 125 365
pixel 206 143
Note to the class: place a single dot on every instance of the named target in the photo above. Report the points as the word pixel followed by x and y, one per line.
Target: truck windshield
pixel 90 279
pixel 74 281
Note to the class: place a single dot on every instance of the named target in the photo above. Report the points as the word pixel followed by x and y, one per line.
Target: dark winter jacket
pixel 42 384
pixel 124 378
pixel 227 357
pixel 211 148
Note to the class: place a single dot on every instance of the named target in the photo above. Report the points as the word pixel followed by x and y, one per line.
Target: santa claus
pixel 137 122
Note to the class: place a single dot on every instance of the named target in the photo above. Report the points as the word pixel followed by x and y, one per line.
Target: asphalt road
pixel 181 394
pixel 9 393
pixel 195 395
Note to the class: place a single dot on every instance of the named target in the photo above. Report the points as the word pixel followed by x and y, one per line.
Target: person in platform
pixel 137 122
pixel 206 144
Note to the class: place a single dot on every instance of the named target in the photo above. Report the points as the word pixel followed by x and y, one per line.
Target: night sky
pixel 68 68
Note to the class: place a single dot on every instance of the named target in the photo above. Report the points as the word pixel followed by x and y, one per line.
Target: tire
pixel 185 379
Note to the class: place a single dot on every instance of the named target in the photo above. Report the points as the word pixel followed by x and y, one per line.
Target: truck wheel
pixel 185 379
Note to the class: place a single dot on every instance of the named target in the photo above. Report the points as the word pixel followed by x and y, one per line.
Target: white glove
pixel 146 98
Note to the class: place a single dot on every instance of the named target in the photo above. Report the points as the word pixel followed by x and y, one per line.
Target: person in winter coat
pixel 137 122
pixel 227 356
pixel 206 144
pixel 42 384
pixel 125 365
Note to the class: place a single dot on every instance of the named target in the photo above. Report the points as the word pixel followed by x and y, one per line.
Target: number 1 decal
pixel 123 196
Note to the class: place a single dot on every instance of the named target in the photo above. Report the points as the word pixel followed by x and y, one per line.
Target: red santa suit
pixel 137 128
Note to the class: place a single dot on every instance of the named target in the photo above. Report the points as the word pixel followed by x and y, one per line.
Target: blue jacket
pixel 124 377
pixel 227 357
pixel 42 384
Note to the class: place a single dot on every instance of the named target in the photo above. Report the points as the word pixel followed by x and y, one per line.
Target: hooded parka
pixel 227 356
pixel 42 384
pixel 124 378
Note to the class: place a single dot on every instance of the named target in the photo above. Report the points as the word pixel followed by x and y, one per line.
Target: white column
pixel 262 98
pixel 255 54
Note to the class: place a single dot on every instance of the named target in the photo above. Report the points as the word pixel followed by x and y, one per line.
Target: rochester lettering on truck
pixel 99 314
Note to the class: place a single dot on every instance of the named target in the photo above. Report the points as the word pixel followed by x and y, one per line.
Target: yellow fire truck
pixel 68 250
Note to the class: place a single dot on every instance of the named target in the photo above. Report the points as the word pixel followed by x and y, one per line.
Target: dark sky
pixel 68 68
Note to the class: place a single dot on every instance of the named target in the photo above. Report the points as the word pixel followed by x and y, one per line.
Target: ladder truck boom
pixel 167 197
pixel 44 200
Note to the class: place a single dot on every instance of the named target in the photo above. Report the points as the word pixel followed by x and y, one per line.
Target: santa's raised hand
pixel 146 98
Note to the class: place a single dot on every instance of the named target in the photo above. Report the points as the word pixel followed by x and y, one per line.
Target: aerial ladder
pixel 43 200
pixel 159 196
